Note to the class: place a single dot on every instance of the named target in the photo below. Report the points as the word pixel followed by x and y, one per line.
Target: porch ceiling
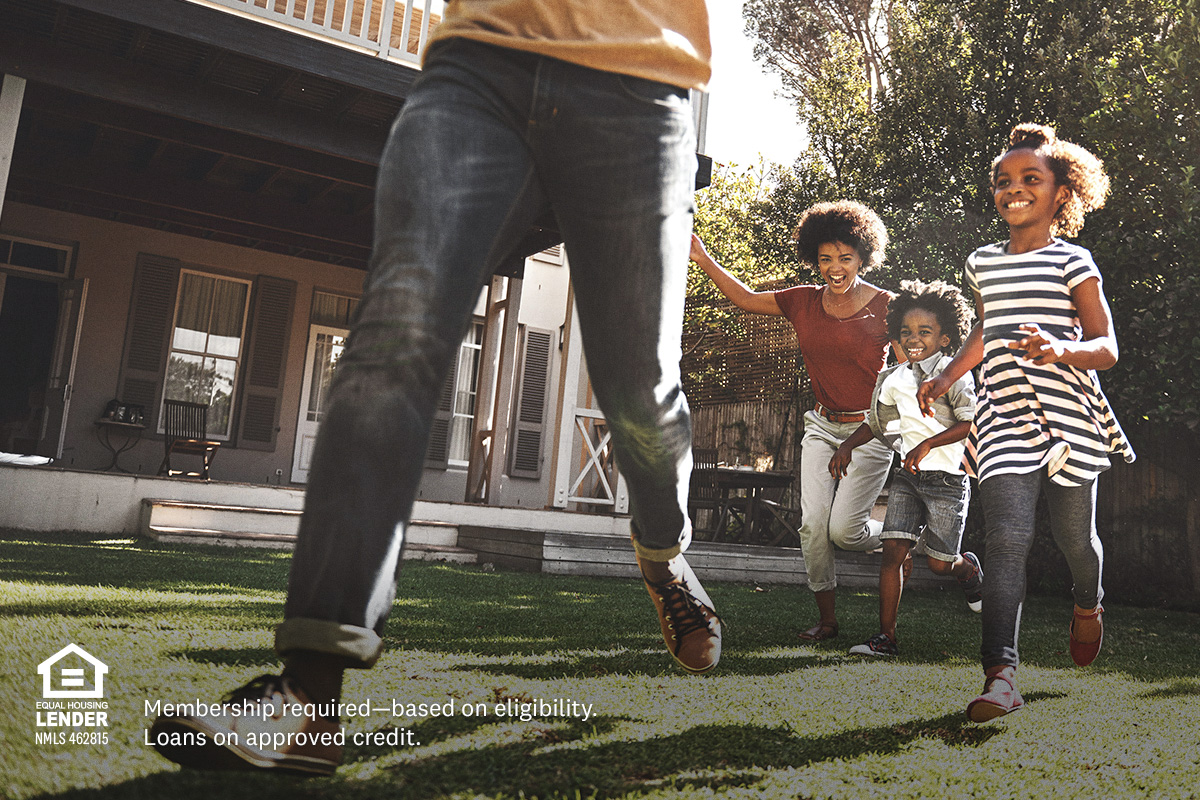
pixel 133 113
pixel 172 115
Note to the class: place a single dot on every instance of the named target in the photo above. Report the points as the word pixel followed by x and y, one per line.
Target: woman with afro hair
pixel 842 332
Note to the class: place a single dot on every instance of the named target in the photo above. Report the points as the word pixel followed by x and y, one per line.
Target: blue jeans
pixel 1009 506
pixel 929 508
pixel 489 140
pixel 837 512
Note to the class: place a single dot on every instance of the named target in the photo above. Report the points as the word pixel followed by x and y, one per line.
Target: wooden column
pixel 12 93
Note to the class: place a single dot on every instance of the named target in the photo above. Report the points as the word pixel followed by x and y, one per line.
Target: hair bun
pixel 1028 134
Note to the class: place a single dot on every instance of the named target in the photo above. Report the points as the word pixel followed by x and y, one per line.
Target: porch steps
pixel 531 540
pixel 566 553
pixel 211 523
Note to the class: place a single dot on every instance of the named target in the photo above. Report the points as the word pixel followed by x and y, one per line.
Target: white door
pixel 325 346
pixel 72 296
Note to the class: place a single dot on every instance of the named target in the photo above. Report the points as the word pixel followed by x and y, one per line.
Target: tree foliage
pixel 1147 239
pixel 795 38
pixel 910 123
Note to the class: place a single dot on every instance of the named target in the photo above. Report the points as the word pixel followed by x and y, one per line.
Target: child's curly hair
pixel 844 221
pixel 945 301
pixel 1073 167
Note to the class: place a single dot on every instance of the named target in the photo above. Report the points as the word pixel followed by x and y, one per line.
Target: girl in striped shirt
pixel 1043 423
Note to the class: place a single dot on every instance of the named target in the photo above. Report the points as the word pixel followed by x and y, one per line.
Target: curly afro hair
pixel 945 301
pixel 845 221
pixel 1073 167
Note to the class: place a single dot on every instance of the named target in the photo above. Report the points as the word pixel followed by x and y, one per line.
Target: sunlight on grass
pixel 777 719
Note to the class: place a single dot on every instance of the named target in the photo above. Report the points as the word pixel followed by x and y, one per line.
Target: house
pixel 186 194
pixel 60 680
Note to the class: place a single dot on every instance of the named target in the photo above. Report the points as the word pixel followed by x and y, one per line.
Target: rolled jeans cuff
pixel 360 647
pixel 662 554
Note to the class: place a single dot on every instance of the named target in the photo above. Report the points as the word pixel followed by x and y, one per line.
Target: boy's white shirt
pixel 899 389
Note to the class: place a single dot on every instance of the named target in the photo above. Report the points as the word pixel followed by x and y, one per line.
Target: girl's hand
pixel 930 391
pixel 840 461
pixel 912 461
pixel 1040 347
pixel 699 253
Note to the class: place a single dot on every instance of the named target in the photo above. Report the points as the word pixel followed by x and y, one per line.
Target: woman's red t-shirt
pixel 843 356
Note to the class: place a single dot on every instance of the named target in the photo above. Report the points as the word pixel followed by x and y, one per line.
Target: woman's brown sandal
pixel 820 632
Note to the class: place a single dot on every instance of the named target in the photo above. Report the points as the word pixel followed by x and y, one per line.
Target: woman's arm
pixel 1098 347
pixel 841 457
pixel 738 293
pixel 970 354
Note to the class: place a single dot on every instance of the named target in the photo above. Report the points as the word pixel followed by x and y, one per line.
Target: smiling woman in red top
pixel 842 334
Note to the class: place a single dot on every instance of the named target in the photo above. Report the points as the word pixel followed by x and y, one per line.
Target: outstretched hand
pixel 1039 346
pixel 928 392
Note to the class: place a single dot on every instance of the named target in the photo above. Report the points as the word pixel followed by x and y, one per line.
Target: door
pixel 72 295
pixel 325 346
pixel 29 316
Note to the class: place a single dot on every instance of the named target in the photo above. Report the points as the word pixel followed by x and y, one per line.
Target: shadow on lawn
pixel 74 559
pixel 1180 687
pixel 651 661
pixel 703 757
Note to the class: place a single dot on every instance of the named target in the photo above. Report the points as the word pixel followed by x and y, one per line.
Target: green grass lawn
pixel 777 719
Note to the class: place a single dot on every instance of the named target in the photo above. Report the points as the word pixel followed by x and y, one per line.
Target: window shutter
pixel 148 332
pixel 437 455
pixel 262 395
pixel 532 398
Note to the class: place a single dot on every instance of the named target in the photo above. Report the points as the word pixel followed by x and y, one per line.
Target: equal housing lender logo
pixel 72 709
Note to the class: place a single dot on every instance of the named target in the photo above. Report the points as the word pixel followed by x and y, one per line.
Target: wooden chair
pixel 185 431
pixel 781 528
pixel 703 494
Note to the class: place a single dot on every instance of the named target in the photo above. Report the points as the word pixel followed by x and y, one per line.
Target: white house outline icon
pixel 72 677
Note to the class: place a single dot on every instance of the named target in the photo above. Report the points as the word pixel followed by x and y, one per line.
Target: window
pixel 333 310
pixel 31 255
pixel 207 344
pixel 466 385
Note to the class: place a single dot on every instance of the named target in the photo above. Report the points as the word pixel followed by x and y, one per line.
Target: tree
pixel 917 143
pixel 725 222
pixel 796 38
pixel 1148 236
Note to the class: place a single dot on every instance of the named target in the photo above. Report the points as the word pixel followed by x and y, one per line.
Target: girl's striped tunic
pixel 1032 416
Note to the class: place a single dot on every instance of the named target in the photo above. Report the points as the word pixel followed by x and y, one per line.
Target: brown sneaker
pixel 255 727
pixel 690 626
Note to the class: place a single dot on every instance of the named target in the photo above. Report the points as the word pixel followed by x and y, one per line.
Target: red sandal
pixel 1084 653
pixel 996 700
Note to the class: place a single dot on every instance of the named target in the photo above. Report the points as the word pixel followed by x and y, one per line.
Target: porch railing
pixel 397 30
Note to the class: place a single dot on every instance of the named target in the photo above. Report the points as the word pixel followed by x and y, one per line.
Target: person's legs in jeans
pixel 448 206
pixel 1009 507
pixel 456 190
pixel 617 159
pixel 1073 524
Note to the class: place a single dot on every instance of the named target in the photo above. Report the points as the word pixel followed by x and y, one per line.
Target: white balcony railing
pixel 393 29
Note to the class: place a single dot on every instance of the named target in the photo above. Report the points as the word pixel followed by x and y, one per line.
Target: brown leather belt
pixel 839 416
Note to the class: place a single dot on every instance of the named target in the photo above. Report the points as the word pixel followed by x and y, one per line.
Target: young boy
pixel 929 495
